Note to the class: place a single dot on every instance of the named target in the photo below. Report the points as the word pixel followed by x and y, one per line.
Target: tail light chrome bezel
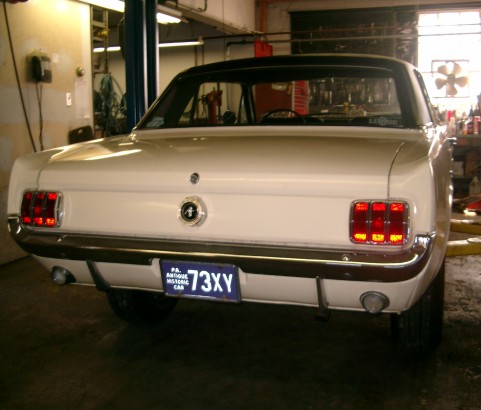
pixel 41 209
pixel 379 222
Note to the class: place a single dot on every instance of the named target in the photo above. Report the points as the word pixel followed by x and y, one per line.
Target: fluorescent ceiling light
pixel 198 42
pixel 166 19
pixel 165 15
pixel 161 45
pixel 102 49
pixel 115 5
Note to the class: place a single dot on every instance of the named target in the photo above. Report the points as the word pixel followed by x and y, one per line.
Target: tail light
pixel 41 208
pixel 379 222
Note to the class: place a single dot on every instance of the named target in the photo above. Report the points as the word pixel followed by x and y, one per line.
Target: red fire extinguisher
pixel 213 100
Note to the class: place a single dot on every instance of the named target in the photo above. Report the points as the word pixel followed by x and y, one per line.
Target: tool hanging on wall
pixel 110 106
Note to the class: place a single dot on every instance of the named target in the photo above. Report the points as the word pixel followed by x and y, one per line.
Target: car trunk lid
pixel 262 185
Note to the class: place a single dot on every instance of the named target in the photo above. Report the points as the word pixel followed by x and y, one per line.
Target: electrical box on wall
pixel 40 67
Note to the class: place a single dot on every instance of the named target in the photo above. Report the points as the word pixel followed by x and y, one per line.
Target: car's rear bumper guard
pixel 259 259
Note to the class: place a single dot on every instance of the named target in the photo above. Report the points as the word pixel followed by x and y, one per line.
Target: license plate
pixel 201 280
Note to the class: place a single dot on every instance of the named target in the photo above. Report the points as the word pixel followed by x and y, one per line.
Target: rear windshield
pixel 281 96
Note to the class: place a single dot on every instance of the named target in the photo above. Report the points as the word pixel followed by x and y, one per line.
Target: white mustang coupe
pixel 321 181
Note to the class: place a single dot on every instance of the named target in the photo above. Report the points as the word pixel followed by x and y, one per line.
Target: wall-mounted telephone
pixel 41 70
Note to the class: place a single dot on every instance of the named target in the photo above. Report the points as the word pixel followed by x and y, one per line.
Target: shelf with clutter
pixel 466 151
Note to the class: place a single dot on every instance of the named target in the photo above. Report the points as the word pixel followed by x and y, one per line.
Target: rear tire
pixel 419 329
pixel 137 306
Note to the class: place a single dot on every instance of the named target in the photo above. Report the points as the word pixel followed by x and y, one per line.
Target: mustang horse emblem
pixel 192 211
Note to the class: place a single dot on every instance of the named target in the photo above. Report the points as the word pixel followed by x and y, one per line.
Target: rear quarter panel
pixel 427 180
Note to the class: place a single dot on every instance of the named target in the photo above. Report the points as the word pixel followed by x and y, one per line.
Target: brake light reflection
pixel 379 222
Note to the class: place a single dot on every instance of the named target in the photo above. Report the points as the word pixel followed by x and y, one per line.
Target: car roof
pixel 355 60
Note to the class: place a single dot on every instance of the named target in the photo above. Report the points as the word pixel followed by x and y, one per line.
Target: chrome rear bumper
pixel 252 258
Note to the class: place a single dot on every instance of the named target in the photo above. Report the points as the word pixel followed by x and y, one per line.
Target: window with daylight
pixel 449 57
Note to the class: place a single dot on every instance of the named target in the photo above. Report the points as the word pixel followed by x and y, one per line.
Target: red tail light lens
pixel 359 222
pixel 38 214
pixel 26 214
pixel 41 208
pixel 379 222
pixel 397 223
pixel 51 209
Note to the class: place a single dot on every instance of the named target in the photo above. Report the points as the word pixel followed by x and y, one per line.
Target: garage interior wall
pixel 61 29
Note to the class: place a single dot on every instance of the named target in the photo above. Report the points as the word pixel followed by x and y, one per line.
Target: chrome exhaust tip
pixel 62 276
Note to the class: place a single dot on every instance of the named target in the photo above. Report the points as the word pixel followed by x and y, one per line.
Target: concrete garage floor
pixel 62 348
